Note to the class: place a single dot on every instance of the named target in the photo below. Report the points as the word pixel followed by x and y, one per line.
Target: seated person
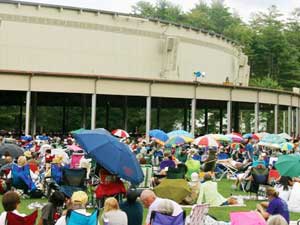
pixel 165 207
pixel 209 194
pixel 294 199
pixel 275 206
pixel 152 202
pixel 284 187
pixel 10 203
pixel 209 161
pixel 132 208
pixel 167 161
pixel 195 189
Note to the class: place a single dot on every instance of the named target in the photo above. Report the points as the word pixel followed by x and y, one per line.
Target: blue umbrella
pixel 247 136
pixel 159 134
pixel 180 133
pixel 114 156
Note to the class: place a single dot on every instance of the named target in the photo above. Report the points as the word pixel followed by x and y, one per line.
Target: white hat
pixel 194 177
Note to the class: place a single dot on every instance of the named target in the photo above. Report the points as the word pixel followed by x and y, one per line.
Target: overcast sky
pixel 243 7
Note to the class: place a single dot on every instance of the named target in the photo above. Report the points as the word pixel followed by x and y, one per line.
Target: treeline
pixel 271 42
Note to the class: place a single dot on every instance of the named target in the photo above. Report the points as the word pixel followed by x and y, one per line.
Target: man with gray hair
pixel 154 203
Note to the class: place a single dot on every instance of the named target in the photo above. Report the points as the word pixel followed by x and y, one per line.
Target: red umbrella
pixel 206 140
pixel 120 133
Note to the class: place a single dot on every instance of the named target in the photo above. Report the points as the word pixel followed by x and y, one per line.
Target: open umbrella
pixel 287 146
pixel 273 139
pixel 235 137
pixel 159 134
pixel 77 131
pixel 207 141
pixel 288 165
pixel 114 156
pixel 180 133
pixel 14 150
pixel 174 189
pixel 120 133
pixel 250 135
pixel 221 137
pixel 176 140
pixel 285 136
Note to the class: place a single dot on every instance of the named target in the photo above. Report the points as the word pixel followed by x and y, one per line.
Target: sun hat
pixel 57 159
pixel 194 177
pixel 79 198
pixel 28 154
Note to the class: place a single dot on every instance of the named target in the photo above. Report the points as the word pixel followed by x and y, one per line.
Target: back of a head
pixel 277 220
pixel 79 199
pixel 207 177
pixel 165 207
pixel 10 200
pixel 147 194
pixel 111 204
pixel 272 192
pixel 131 196
pixel 57 198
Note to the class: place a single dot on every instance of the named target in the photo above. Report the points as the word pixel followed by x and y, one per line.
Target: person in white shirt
pixel 10 203
pixel 284 187
pixel 79 200
pixel 152 202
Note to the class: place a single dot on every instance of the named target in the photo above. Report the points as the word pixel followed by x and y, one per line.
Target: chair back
pixel 147 171
pixel 75 218
pixel 162 219
pixel 74 177
pixel 198 214
pixel 175 173
pixel 56 173
pixel 13 219
pixel 21 178
pixel 75 160
pixel 260 175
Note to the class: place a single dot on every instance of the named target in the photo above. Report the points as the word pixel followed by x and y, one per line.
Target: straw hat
pixel 22 161
pixel 79 198
pixel 28 154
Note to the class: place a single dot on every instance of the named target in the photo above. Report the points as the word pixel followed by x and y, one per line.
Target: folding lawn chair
pixel 73 180
pixel 148 172
pixel 162 219
pixel 75 160
pixel 198 214
pixel 14 219
pixel 229 169
pixel 75 218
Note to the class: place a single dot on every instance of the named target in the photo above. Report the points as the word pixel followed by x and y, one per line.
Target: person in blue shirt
pixel 249 149
pixel 132 208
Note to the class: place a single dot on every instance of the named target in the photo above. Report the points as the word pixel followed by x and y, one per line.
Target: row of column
pixel 292 127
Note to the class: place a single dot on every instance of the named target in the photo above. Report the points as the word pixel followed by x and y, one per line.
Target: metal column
pixel 276 119
pixel 297 123
pixel 34 113
pixel 229 109
pixel 27 115
pixel 256 117
pixel 94 107
pixel 148 114
pixel 289 120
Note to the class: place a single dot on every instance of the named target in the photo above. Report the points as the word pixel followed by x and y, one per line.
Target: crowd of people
pixel 196 168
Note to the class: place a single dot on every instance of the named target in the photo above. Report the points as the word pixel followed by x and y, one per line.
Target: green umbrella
pixel 174 189
pixel 77 131
pixel 288 165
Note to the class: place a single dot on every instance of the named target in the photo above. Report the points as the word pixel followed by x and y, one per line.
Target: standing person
pixel 112 214
pixel 275 206
pixel 133 208
pixel 152 202
pixel 50 211
pixel 249 149
pixel 10 203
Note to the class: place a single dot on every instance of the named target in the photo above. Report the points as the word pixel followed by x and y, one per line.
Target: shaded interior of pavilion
pixel 63 112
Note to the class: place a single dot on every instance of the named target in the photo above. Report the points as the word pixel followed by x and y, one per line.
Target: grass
pixel 221 213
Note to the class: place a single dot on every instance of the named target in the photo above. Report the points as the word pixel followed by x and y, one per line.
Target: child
pixel 50 212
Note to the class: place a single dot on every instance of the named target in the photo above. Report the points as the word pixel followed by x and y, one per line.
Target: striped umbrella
pixel 287 146
pixel 221 137
pixel 206 140
pixel 235 137
pixel 176 140
pixel 120 133
pixel 180 133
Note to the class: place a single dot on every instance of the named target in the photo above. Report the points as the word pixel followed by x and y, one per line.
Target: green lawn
pixel 221 213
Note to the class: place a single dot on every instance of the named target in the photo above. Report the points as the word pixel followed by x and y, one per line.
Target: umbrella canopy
pixel 114 156
pixel 180 133
pixel 250 135
pixel 235 137
pixel 288 165
pixel 120 133
pixel 246 218
pixel 159 134
pixel 176 140
pixel 14 150
pixel 261 134
pixel 206 140
pixel 285 136
pixel 273 139
pixel 74 147
pixel 174 189
pixel 221 137
pixel 77 131
pixel 287 146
